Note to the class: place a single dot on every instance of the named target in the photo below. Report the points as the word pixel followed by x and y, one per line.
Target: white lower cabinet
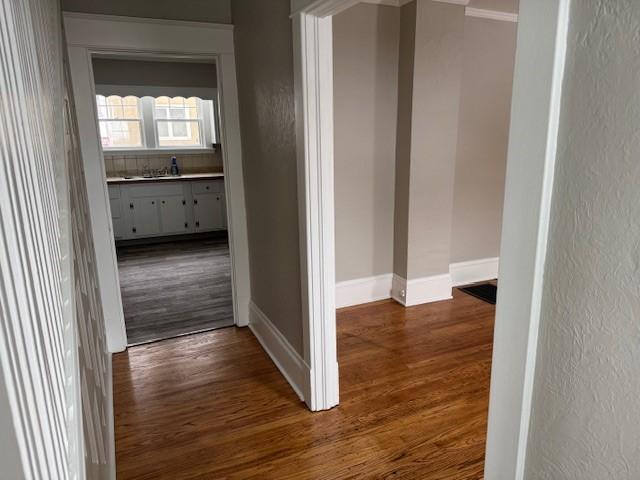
pixel 145 218
pixel 159 209
pixel 208 210
pixel 173 214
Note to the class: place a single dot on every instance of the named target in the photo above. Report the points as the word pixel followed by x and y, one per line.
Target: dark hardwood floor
pixel 175 288
pixel 413 402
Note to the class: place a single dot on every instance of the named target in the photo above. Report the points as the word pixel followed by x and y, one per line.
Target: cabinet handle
pixel 195 201
pixel 217 198
pixel 131 206
pixel 163 202
pixel 186 225
pixel 153 203
pixel 184 202
pixel 197 224
pixel 207 188
pixel 134 229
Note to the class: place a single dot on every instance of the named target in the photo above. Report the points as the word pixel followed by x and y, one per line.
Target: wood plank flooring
pixel 414 397
pixel 175 288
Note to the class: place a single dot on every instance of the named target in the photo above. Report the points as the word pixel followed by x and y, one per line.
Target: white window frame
pixel 150 135
pixel 200 120
pixel 140 120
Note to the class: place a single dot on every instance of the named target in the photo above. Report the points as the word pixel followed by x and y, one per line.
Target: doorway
pixel 207 209
pixel 159 124
pixel 538 77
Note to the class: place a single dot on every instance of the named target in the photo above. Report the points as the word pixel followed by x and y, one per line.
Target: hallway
pixel 414 397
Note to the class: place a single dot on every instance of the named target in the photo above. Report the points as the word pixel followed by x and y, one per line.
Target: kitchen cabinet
pixel 173 214
pixel 208 206
pixel 145 217
pixel 163 208
pixel 117 218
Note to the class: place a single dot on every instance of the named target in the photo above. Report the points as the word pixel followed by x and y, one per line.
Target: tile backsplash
pixel 119 165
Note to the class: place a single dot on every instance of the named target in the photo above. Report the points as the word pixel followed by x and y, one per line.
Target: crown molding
pixel 400 3
pixel 156 21
pixel 491 14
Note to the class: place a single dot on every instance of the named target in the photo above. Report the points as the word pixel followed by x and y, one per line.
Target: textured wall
pixel 214 11
pixel 483 137
pixel 365 45
pixel 264 56
pixel 585 418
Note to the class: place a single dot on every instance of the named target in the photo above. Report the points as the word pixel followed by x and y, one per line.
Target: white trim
pixel 313 80
pixel 464 273
pixel 389 3
pixel 155 21
pixel 363 290
pixel 285 357
pixel 158 151
pixel 110 415
pixel 400 3
pixel 454 2
pixel 491 14
pixel 137 36
pixel 145 39
pixel 381 287
pixel 418 291
pixel 535 115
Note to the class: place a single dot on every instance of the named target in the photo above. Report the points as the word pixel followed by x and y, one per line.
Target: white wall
pixel 585 417
pixel 365 45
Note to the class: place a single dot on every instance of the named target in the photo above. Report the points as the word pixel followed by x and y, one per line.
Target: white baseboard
pixel 421 290
pixel 481 270
pixel 111 420
pixel 289 362
pixel 417 291
pixel 363 290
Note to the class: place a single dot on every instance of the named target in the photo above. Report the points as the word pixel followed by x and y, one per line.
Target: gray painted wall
pixel 585 417
pixel 365 109
pixel 403 137
pixel 483 136
pixel 267 126
pixel 434 132
pixel 214 11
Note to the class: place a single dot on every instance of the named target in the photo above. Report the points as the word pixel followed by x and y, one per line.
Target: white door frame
pixel 532 150
pixel 88 35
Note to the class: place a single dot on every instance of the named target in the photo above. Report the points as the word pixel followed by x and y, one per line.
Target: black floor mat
pixel 486 292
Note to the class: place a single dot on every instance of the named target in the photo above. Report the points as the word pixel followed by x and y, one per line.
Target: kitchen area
pixel 159 130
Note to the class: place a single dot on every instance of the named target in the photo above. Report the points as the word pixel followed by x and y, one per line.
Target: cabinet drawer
pixel 155 190
pixel 208 186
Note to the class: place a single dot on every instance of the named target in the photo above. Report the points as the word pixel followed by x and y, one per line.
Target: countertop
pixel 186 176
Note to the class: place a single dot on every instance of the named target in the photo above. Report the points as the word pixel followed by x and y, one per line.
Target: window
pixel 120 121
pixel 179 121
pixel 155 123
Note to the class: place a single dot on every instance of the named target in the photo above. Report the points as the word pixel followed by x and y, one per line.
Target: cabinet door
pixel 145 217
pixel 117 218
pixel 208 211
pixel 173 215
